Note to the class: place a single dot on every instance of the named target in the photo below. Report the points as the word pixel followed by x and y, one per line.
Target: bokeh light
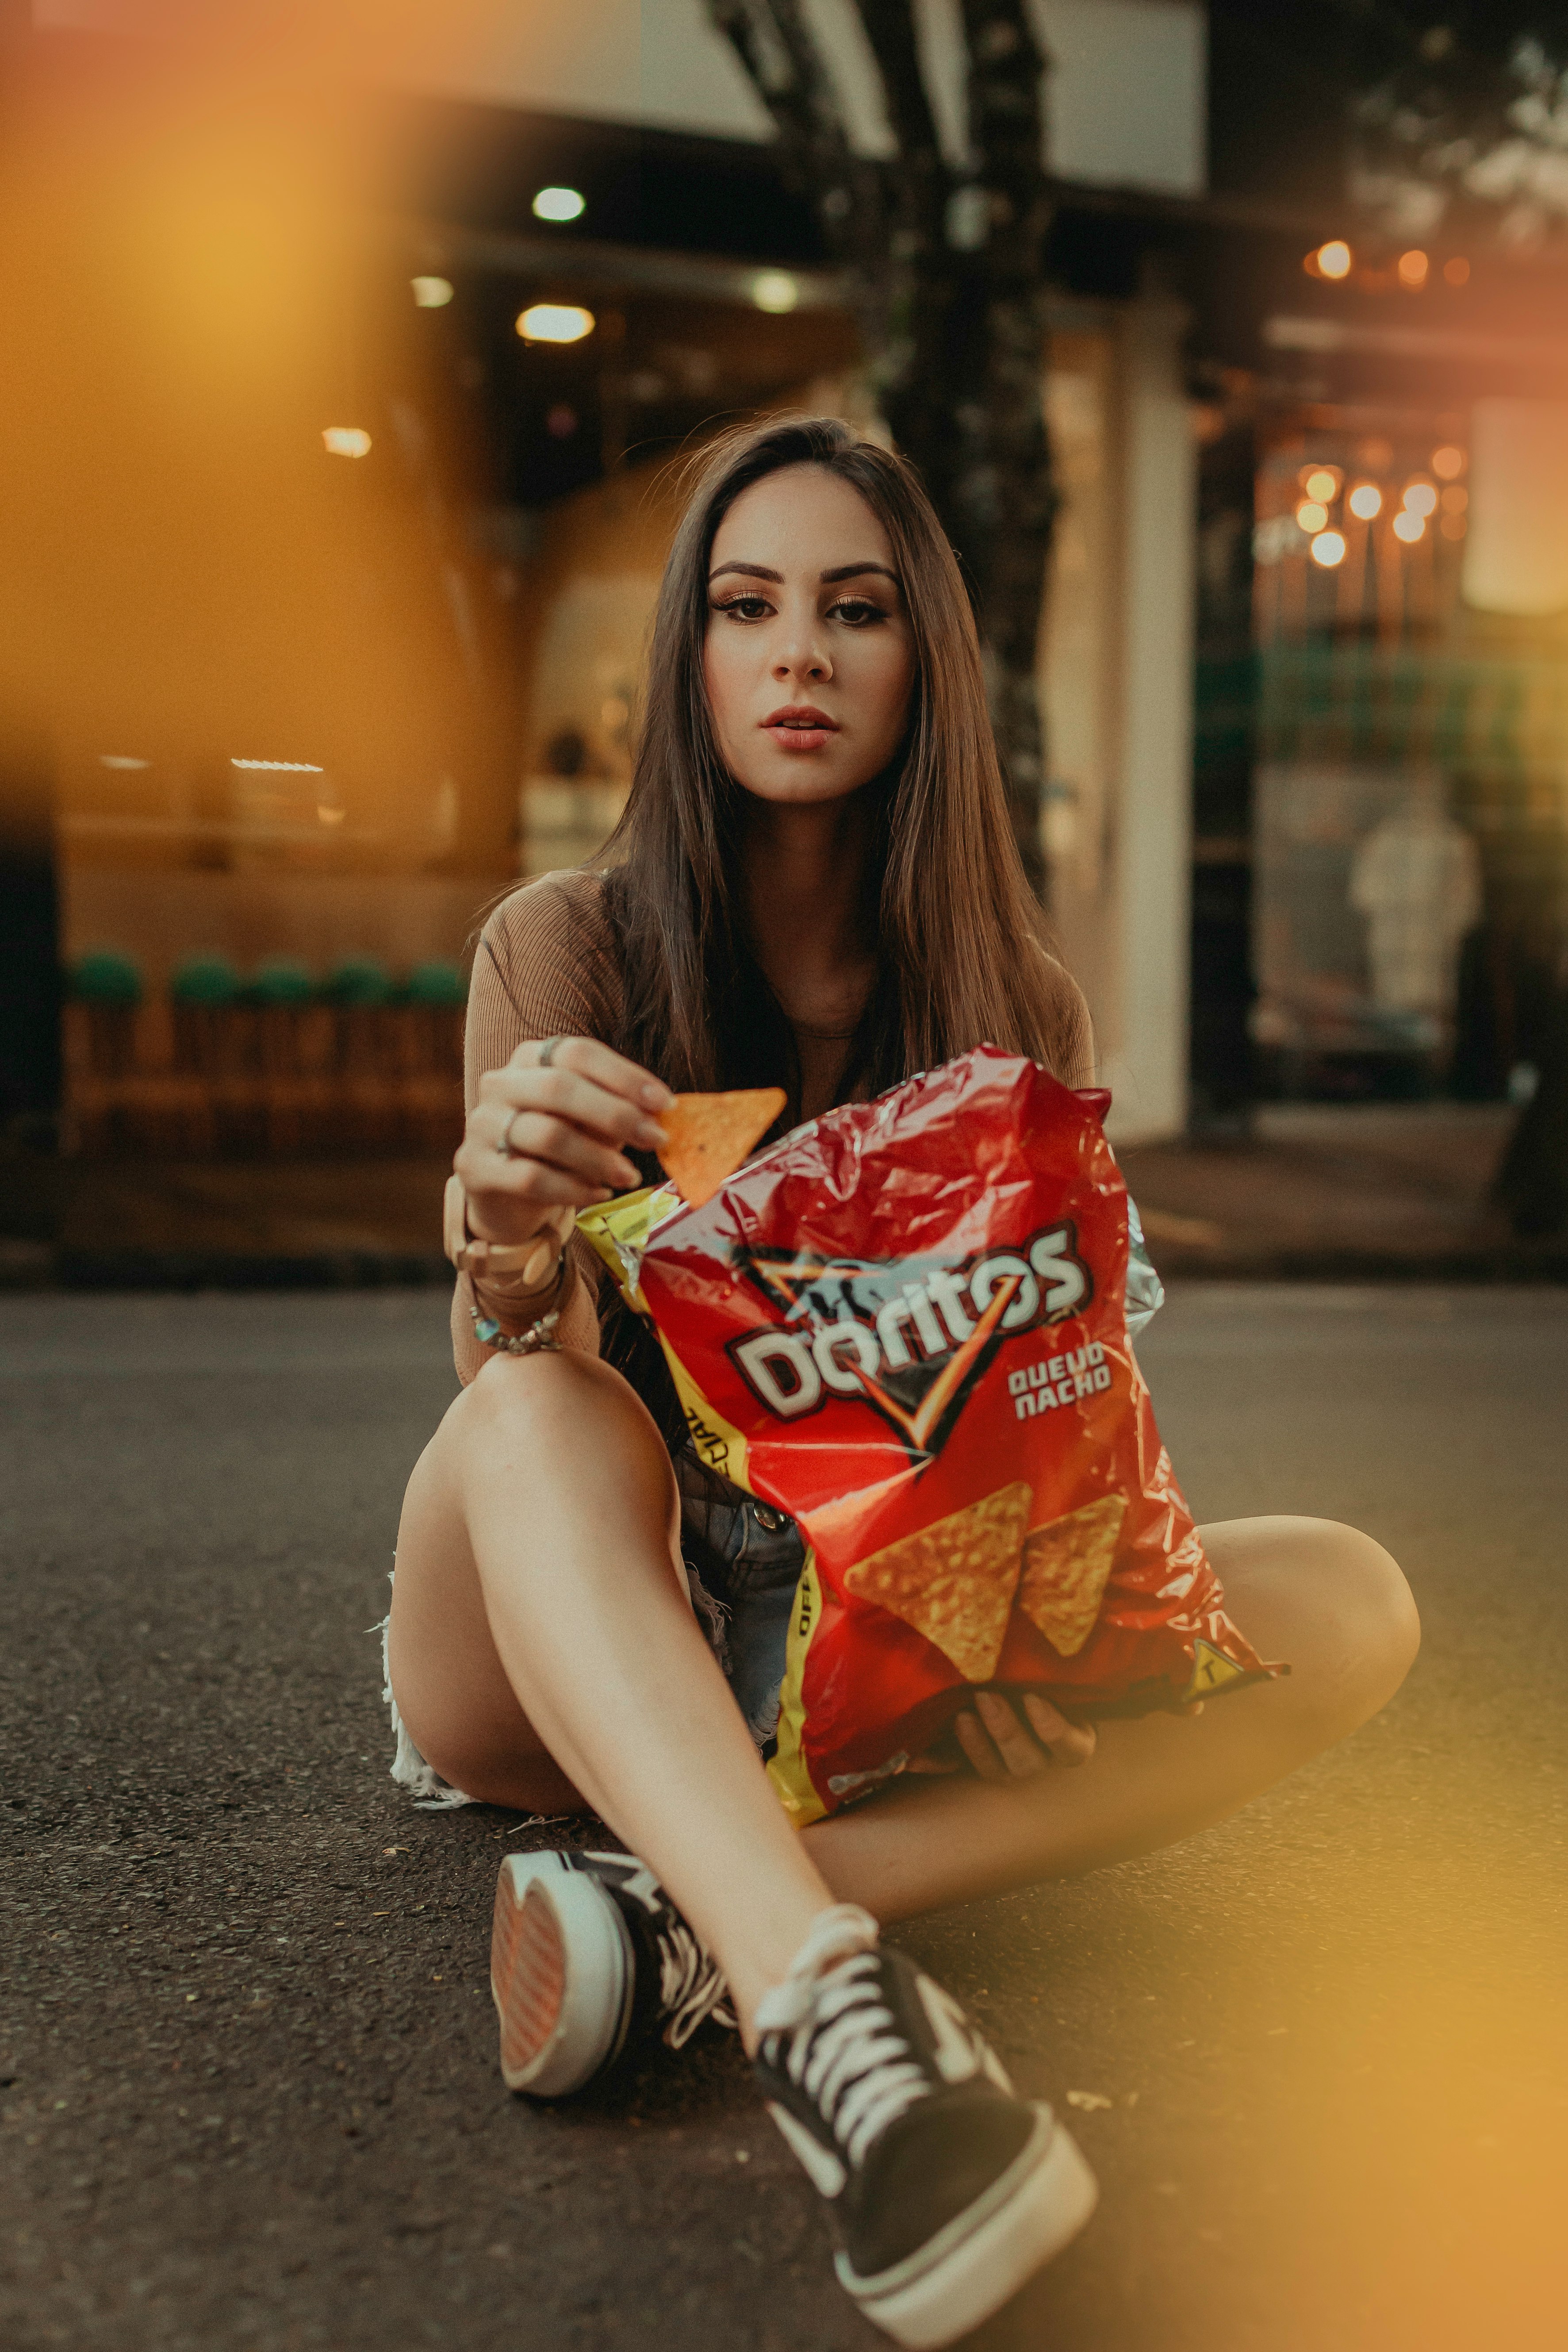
pixel 1420 498
pixel 1455 498
pixel 1413 268
pixel 1364 501
pixel 431 293
pixel 1311 515
pixel 347 440
pixel 555 323
pixel 1328 549
pixel 557 205
pixel 775 290
pixel 1448 462
pixel 1408 527
pixel 1331 260
pixel 1457 270
pixel 1454 526
pixel 1323 483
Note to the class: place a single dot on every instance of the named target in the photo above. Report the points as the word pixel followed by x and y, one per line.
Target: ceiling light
pixel 347 440
pixel 431 293
pixel 775 290
pixel 555 323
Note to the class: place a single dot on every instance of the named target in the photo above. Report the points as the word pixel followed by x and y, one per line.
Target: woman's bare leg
pixel 542 1646
pixel 1323 1597
pixel 540 1612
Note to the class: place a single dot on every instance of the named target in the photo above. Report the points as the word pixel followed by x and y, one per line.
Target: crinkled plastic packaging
pixel 906 1326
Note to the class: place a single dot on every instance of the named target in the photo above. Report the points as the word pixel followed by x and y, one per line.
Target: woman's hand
pixel 540 1140
pixel 998 1744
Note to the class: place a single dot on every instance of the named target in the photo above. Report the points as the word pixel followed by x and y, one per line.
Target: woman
pixel 814 884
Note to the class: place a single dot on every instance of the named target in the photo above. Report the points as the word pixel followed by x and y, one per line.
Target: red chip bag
pixel 905 1325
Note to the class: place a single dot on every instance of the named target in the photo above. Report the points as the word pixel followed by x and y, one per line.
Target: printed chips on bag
pixel 905 1325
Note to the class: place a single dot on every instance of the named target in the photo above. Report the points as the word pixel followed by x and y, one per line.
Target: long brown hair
pixel 958 934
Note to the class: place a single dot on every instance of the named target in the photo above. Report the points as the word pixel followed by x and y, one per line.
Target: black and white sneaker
pixel 587 1954
pixel 948 2190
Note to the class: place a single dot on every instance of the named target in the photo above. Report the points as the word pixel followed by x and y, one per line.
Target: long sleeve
pixel 546 967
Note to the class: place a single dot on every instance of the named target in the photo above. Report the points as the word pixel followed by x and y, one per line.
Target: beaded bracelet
pixel 540 1336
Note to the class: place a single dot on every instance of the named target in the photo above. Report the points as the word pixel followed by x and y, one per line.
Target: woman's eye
pixel 857 611
pixel 746 608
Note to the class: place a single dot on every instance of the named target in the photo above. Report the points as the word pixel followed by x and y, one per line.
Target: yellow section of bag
pixel 716 1442
pixel 787 1768
pixel 618 1230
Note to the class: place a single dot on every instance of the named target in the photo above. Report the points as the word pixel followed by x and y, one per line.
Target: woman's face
pixel 809 658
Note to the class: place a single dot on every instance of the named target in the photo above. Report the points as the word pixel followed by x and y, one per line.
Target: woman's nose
pixel 806 660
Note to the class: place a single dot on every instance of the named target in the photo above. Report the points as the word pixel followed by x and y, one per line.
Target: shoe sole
pixel 562 1976
pixel 985 2254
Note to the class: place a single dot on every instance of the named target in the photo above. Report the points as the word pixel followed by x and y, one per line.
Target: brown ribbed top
pixel 547 967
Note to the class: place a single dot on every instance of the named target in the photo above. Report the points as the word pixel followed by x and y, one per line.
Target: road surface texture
pixel 251 2103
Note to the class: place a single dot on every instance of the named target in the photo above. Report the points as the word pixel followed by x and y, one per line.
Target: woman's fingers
pixel 503 1207
pixel 979 1747
pixel 1067 1743
pixel 586 1057
pixel 565 1094
pixel 1020 1754
pixel 543 1136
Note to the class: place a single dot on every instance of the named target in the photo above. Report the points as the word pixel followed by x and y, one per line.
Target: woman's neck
pixel 804 871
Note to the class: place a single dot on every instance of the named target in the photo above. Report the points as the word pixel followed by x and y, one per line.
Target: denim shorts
pixel 743 1562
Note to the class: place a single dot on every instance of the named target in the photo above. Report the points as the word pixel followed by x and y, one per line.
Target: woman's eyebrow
pixel 839 571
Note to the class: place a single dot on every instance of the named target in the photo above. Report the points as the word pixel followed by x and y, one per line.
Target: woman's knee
pixel 1359 1630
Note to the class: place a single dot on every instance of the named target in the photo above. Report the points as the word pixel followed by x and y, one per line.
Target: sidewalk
pixel 1328 1192
pixel 1389 1191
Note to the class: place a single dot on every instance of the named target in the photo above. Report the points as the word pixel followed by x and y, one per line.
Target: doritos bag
pixel 905 1326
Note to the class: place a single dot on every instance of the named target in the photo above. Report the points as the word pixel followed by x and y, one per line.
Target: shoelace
pixel 843 2047
pixel 691 1981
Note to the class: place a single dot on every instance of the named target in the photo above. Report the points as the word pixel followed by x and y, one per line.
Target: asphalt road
pixel 250 2096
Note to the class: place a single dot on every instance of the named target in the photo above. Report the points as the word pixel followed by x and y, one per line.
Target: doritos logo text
pixel 909 1338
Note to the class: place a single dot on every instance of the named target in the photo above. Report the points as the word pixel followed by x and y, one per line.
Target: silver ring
pixel 504 1146
pixel 547 1051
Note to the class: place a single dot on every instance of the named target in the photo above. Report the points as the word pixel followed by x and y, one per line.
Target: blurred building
pixel 1302 657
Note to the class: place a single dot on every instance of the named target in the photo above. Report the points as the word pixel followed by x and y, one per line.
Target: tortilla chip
pixel 955 1582
pixel 710 1135
pixel 1065 1565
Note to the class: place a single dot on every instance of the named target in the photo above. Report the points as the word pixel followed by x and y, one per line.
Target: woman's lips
pixel 803 730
